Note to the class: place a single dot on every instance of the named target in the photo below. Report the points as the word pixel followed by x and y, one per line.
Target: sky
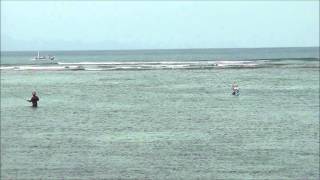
pixel 111 25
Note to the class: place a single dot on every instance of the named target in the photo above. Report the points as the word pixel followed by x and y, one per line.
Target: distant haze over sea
pixel 154 55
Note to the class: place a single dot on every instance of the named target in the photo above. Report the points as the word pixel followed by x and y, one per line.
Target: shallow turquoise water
pixel 161 124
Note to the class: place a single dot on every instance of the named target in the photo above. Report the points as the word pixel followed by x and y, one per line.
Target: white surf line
pixel 139 63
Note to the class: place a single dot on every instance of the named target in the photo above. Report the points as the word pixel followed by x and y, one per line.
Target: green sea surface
pixel 161 124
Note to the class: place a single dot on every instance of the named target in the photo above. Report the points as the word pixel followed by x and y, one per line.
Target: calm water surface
pixel 161 124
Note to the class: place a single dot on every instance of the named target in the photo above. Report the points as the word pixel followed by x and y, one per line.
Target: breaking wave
pixel 108 66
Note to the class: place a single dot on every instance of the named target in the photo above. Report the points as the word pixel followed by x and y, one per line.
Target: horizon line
pixel 147 49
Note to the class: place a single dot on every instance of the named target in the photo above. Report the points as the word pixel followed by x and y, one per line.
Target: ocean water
pixel 162 114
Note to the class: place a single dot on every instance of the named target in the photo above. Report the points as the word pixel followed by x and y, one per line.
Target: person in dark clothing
pixel 34 99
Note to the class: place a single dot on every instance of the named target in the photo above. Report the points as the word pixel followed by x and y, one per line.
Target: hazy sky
pixel 78 25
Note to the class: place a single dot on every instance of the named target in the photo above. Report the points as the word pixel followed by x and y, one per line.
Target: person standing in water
pixel 235 89
pixel 34 99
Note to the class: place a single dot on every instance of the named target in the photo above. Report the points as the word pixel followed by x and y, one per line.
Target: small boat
pixel 43 58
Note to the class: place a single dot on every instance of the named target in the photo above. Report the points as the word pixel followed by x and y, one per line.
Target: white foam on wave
pixel 136 67
pixel 94 69
pixel 163 64
pixel 138 63
pixel 50 68
pixel 151 65
pixel 237 65
pixel 234 62
pixel 7 67
pixel 40 68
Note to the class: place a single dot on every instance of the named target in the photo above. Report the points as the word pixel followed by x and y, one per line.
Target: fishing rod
pixel 16 96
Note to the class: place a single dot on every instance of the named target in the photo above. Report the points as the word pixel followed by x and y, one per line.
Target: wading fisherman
pixel 235 89
pixel 34 99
